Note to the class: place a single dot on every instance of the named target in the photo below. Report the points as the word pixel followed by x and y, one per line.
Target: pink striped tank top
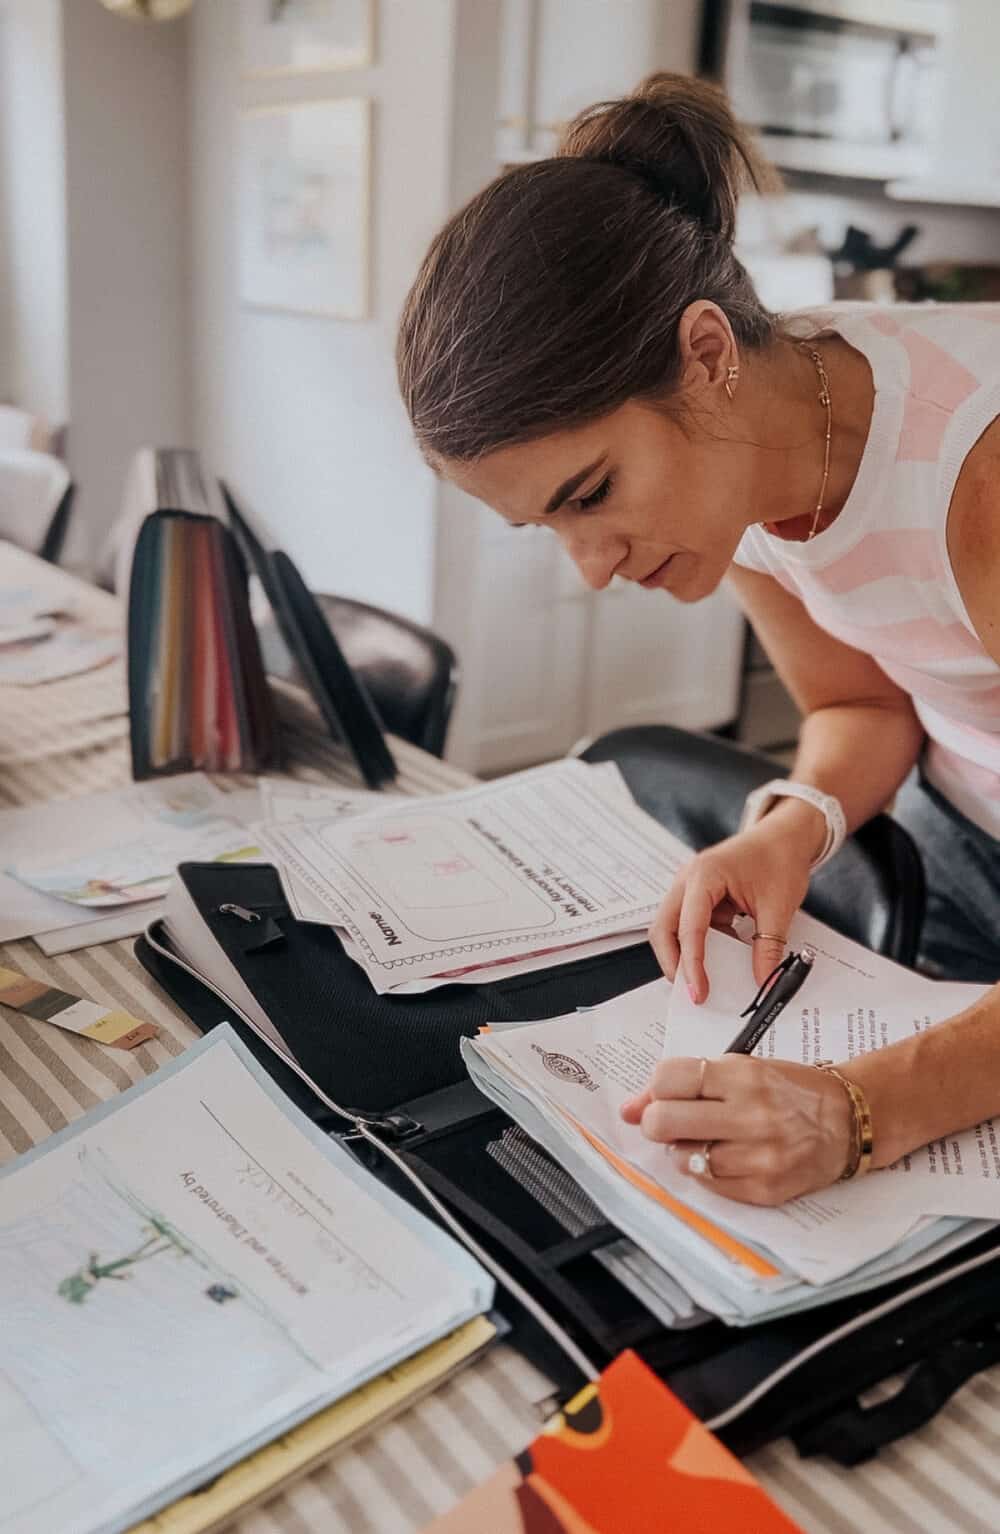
pixel 879 578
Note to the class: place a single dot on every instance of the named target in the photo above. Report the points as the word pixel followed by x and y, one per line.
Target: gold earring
pixel 732 374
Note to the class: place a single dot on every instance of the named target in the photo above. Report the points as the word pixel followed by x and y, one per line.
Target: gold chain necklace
pixel 825 401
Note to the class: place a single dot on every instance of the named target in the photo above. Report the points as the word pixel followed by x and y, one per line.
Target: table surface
pixel 66 738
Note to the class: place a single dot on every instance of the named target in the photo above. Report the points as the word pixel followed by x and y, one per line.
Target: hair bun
pixel 679 136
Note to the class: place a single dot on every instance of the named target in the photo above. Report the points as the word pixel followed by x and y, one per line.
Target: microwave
pixel 848 87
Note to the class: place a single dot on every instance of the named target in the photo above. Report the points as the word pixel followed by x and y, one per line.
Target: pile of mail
pixel 564 1082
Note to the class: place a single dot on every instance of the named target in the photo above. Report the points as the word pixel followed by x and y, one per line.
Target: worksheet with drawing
pixel 547 858
pixel 182 1279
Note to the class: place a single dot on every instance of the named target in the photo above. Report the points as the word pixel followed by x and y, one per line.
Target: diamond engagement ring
pixel 700 1162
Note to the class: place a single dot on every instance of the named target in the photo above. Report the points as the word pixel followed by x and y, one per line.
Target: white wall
pixel 33 304
pixel 302 414
pixel 125 94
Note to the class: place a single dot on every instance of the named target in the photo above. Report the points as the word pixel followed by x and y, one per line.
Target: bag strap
pixel 853 1327
pixel 858 1432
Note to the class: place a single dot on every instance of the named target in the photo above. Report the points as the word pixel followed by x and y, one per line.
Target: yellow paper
pixel 263 1473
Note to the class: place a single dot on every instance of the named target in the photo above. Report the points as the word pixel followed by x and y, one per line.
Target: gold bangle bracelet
pixel 862 1139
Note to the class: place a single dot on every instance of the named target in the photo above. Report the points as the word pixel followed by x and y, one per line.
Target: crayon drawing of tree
pixel 160 1237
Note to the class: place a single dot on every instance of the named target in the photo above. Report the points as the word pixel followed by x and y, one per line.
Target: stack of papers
pixel 515 875
pixel 43 641
pixel 564 1082
pixel 93 869
pixel 172 1301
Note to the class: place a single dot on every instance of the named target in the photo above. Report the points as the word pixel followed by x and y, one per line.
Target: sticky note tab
pixel 120 1029
pixel 48 1004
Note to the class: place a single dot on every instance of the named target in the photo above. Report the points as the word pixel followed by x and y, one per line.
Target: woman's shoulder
pixel 973 537
pixel 931 335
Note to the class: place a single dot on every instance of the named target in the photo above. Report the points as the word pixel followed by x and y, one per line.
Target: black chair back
pixel 55 533
pixel 410 672
pixel 873 891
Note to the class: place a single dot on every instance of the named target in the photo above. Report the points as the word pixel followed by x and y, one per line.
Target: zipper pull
pixel 238 910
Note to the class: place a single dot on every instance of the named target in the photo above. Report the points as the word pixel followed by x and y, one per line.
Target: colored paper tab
pixel 48 1004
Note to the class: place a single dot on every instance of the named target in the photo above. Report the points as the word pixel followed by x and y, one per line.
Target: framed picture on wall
pixel 280 37
pixel 304 207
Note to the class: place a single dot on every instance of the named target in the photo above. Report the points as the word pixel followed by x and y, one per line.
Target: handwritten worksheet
pixel 585 1066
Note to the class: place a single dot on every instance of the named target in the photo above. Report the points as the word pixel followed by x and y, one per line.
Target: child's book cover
pixel 625 1456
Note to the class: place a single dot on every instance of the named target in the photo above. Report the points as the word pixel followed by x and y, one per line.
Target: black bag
pixel 395 1062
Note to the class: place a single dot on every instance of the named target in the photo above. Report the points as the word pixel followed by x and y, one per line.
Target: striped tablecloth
pixel 942 1480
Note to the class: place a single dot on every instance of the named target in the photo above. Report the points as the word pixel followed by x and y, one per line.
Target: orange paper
pixel 624 1457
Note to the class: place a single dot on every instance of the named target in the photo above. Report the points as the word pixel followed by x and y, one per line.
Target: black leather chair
pixel 55 533
pixel 409 671
pixel 873 891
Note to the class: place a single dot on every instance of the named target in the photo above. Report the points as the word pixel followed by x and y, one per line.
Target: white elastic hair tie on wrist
pixel 760 800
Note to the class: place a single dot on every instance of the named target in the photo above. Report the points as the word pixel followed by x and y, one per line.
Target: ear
pixel 708 347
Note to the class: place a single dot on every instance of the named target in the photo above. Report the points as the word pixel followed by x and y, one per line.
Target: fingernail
pixel 692 993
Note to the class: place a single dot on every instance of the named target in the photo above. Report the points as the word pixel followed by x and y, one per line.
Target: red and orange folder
pixel 625 1456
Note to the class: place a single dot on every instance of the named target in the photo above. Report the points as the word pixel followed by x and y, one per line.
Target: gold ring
pixel 770 937
pixel 700 1162
pixel 701 1078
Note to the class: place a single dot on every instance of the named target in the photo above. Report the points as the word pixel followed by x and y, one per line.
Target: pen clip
pixel 779 969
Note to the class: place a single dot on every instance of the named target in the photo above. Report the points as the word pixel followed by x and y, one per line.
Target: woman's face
pixel 634 494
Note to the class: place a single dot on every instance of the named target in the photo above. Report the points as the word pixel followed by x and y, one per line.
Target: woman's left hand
pixel 775 1130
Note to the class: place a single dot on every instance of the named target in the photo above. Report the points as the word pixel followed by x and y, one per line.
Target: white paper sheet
pixel 170 1300
pixel 92 825
pixel 853 1001
pixel 283 801
pixel 68 651
pixel 837 1017
pixel 537 861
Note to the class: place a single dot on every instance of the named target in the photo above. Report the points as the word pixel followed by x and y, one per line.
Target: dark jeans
pixel 961 935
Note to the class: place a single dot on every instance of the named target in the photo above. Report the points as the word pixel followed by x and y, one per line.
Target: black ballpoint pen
pixel 789 978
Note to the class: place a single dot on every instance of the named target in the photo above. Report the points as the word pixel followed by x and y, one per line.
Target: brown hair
pixel 554 295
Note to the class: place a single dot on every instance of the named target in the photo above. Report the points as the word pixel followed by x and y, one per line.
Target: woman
pixel 583 351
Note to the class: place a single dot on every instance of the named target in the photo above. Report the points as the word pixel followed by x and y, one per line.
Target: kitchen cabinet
pixel 547 662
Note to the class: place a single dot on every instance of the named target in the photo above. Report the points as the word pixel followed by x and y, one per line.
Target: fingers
pixel 745 1172
pixel 663 930
pixel 677 932
pixel 774 920
pixel 672 1122
pixel 700 899
pixel 736 1158
pixel 633 1108
pixel 682 1077
pixel 689 1077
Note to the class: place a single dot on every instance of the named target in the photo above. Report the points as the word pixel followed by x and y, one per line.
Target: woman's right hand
pixel 762 873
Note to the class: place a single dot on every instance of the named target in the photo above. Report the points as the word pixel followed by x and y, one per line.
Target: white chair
pixel 19 429
pixel 36 499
